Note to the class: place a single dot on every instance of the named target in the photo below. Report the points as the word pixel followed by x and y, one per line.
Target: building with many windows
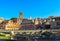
pixel 55 23
pixel 14 24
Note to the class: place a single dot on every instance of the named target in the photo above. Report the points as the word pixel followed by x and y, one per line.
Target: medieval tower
pixel 21 16
pixel 19 21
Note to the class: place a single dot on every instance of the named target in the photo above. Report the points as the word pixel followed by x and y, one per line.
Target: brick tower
pixel 19 21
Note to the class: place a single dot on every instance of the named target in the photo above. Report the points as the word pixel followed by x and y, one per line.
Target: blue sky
pixel 33 8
